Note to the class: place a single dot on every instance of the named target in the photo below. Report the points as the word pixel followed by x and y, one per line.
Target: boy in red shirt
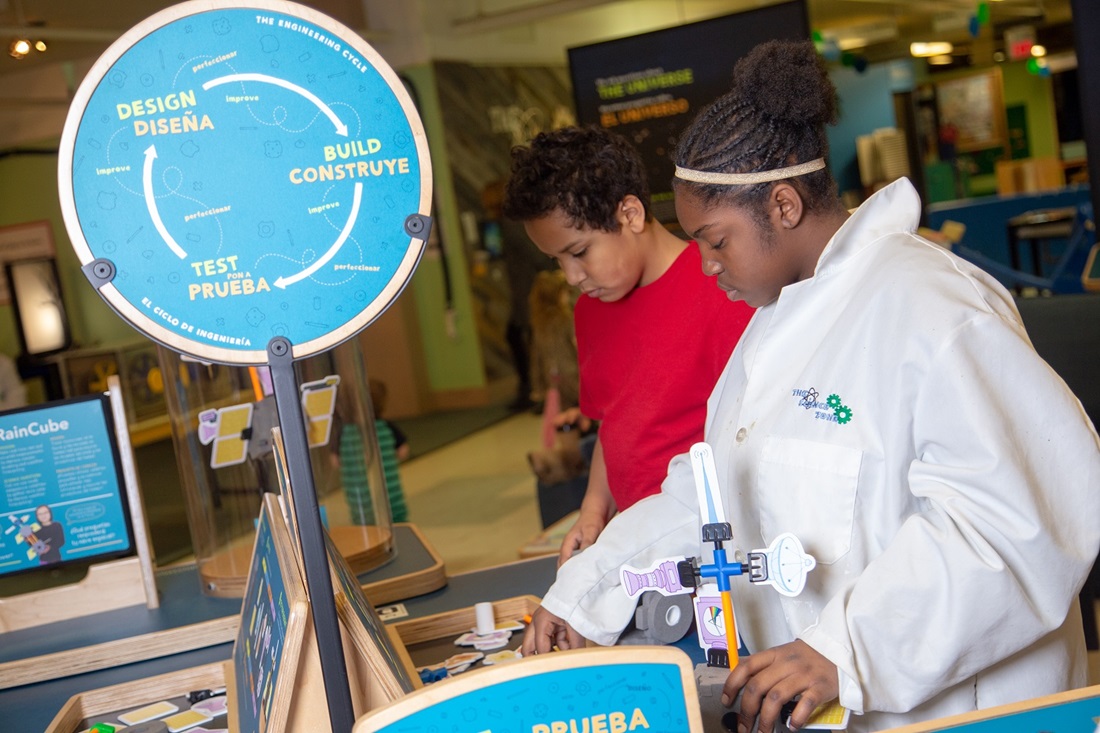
pixel 652 334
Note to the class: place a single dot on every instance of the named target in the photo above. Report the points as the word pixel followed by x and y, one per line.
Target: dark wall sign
pixel 649 87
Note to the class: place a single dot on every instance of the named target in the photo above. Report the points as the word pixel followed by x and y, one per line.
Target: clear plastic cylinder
pixel 222 418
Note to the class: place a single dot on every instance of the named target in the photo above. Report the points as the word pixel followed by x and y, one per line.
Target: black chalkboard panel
pixel 649 87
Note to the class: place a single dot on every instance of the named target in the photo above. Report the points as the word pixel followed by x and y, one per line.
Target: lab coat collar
pixel 895 208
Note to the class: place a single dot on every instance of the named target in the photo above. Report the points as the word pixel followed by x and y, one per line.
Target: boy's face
pixel 604 265
pixel 736 250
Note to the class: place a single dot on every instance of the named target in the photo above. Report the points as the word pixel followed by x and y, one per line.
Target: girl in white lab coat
pixel 886 406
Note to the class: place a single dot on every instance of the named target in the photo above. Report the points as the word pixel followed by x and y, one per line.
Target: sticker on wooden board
pixel 235 170
pixel 186 719
pixel 212 706
pixel 149 712
pixel 505 655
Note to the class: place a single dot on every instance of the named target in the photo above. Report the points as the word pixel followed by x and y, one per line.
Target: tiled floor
pixel 475 499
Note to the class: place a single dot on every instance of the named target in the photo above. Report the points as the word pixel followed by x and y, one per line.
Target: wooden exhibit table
pixel 548 541
pixel 29 708
pixel 523 577
pixel 186 620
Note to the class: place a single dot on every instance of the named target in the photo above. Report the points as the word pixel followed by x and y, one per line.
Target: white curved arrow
pixel 341 128
pixel 282 282
pixel 151 202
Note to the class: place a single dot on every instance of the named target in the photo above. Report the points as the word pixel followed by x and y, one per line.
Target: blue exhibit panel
pixel 613 697
pixel 265 616
pixel 249 174
pixel 62 495
pixel 367 615
pixel 1079 716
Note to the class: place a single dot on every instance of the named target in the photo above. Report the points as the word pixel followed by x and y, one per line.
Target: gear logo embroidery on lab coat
pixel 840 412
pixel 843 412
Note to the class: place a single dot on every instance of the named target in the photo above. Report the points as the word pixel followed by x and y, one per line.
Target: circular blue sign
pixel 241 171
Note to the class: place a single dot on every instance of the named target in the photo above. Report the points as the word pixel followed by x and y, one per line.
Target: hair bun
pixel 787 81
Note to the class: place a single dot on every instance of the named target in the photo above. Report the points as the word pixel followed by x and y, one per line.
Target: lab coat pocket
pixel 809 489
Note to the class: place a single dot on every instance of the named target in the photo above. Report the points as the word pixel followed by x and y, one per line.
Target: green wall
pixel 1018 88
pixel 453 356
pixel 1021 87
pixel 28 192
pixel 1036 93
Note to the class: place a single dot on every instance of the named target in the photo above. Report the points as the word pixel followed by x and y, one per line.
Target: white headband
pixel 738 179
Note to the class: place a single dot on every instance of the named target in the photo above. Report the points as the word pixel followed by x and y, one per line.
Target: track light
pixel 930 48
pixel 19 48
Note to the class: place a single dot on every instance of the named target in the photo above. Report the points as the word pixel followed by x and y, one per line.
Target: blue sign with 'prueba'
pixel 249 173
pixel 611 698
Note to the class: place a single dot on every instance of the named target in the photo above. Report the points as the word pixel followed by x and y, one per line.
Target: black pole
pixel 1086 29
pixel 334 669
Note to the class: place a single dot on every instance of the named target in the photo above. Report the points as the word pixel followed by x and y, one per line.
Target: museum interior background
pixel 490 74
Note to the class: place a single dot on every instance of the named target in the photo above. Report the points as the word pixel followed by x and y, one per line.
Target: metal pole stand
pixel 303 494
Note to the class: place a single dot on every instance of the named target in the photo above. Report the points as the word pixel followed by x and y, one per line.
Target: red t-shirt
pixel 648 363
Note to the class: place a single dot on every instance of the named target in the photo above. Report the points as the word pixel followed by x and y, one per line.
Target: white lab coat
pixel 953 517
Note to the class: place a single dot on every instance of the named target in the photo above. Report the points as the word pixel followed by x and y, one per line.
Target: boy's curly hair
pixel 774 116
pixel 584 171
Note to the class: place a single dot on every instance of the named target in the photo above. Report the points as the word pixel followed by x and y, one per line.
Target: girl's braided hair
pixel 773 116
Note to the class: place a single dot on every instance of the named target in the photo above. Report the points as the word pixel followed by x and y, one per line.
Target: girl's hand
pixel 769 679
pixel 547 631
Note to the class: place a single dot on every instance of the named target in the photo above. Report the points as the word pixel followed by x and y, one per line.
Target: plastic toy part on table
pixel 783 565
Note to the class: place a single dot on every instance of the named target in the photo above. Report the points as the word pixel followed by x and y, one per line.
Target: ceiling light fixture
pixel 852 37
pixel 922 49
pixel 19 48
